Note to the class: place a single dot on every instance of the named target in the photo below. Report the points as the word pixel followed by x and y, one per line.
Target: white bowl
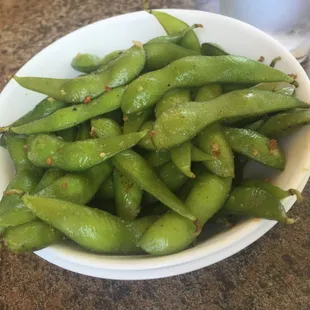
pixel 117 33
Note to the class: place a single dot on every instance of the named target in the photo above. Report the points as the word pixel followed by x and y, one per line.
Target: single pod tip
pixel 299 197
pixel 290 220
pixel 198 25
pixel 198 227
pixel 14 192
pixel 137 43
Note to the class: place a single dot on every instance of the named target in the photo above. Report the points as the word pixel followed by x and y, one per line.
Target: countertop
pixel 273 273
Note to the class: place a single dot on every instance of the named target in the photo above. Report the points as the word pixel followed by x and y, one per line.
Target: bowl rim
pixel 188 256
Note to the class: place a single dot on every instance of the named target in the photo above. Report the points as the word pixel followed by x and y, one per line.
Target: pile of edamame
pixel 145 150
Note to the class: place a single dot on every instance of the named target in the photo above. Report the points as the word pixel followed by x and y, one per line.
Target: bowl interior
pixel 117 33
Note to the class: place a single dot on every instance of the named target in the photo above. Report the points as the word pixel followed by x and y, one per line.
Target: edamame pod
pixel 133 166
pixel 212 49
pixel 159 55
pixel 181 157
pixel 48 151
pixel 83 132
pixel 171 176
pixel 91 228
pixel 182 122
pixel 279 123
pixel 49 177
pixel 128 196
pixel 195 71
pixel 88 63
pixel 31 236
pixel 212 141
pixel 73 115
pixel 208 92
pixel 68 135
pixel 172 233
pixel 255 146
pixel 274 190
pixel 105 128
pixel 87 87
pixel 255 201
pixel 199 155
pixel 171 99
pixel 106 190
pixel 173 25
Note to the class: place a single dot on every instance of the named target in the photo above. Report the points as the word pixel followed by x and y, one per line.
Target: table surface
pixel 273 273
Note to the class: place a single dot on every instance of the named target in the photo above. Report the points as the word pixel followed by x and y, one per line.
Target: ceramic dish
pixel 117 33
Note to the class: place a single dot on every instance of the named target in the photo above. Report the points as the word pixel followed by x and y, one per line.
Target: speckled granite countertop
pixel 273 273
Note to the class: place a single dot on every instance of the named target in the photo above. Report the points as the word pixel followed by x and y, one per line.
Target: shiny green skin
pixel 106 190
pixel 31 236
pixel 80 155
pixel 172 233
pixel 128 196
pixel 105 127
pixel 83 132
pixel 211 49
pixel 133 122
pixel 276 191
pixel 199 155
pixel 255 146
pixel 157 159
pixel 282 88
pixel 171 99
pixel 171 176
pixel 88 63
pixel 146 142
pixel 135 168
pixel 182 122
pixel 68 135
pixel 121 72
pixel 175 37
pixel 44 108
pixel 208 92
pixel 280 123
pixel 257 202
pixel 91 228
pixel 25 179
pixel 173 25
pixel 161 54
pixel 73 115
pixel 181 157
pixel 49 177
pixel 195 71
pixel 212 141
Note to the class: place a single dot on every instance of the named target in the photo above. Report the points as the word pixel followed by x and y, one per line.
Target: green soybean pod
pixel 161 54
pixel 147 89
pixel 74 221
pixel 172 233
pixel 87 87
pixel 212 49
pixel 47 151
pixel 128 196
pixel 132 165
pixel 212 141
pixel 69 134
pixel 182 122
pixel 88 63
pixel 71 116
pixel 105 128
pixel 50 176
pixel 255 146
pixel 31 236
pixel 198 155
pixel 171 99
pixel 208 92
pixel 274 190
pixel 257 202
pixel 173 25
pixel 181 157
pixel 278 124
